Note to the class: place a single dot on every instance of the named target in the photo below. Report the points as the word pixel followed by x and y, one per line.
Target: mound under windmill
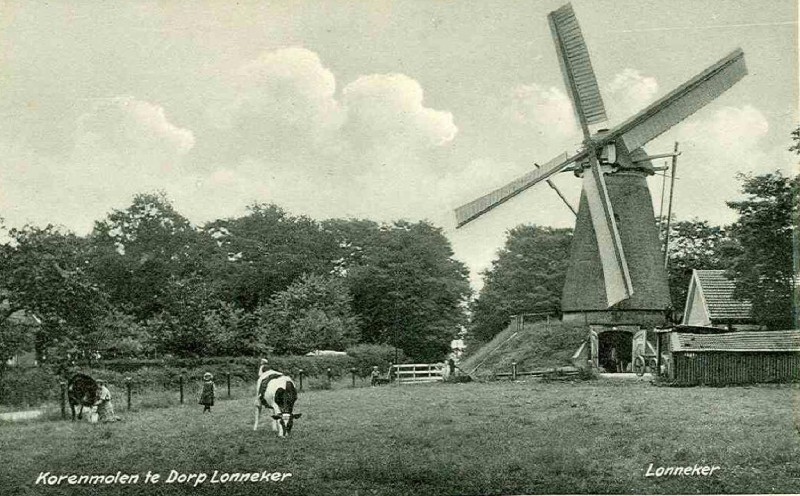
pixel 616 274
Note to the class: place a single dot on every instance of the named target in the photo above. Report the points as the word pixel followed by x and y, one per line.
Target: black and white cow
pixel 277 391
pixel 81 392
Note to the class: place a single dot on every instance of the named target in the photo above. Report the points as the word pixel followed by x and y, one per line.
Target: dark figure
pixel 374 376
pixel 81 391
pixel 207 394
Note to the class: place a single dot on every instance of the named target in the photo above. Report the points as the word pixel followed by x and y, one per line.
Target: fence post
pixel 353 373
pixel 513 371
pixel 228 377
pixel 63 400
pixel 328 373
pixel 128 381
pixel 181 383
pixel 301 379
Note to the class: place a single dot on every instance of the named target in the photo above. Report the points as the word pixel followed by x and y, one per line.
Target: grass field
pixel 475 438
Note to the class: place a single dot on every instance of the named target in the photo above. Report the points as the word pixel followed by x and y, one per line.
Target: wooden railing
pixel 415 373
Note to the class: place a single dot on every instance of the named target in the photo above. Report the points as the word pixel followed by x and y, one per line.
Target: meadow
pixel 526 437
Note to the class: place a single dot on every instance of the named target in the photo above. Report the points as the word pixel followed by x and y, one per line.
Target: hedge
pixel 37 385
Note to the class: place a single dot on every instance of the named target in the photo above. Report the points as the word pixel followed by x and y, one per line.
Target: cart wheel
pixel 638 365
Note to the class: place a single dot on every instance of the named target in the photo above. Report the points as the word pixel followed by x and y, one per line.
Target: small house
pixel 710 302
pixel 711 356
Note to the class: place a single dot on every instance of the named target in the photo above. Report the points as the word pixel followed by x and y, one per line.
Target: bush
pixel 29 386
pixel 365 356
pixel 318 383
pixel 587 374
pixel 458 378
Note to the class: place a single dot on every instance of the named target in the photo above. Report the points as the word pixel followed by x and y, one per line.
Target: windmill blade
pixel 615 267
pixel 681 102
pixel 474 209
pixel 576 67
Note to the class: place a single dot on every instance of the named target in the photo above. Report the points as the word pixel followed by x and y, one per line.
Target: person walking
pixel 208 392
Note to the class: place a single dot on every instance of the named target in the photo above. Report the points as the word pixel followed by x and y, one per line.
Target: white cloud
pixel 122 146
pixel 387 109
pixel 283 96
pixel 126 124
pixel 629 92
pixel 716 146
pixel 546 109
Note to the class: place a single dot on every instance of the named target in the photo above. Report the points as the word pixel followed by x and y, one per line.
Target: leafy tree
pixel 695 244
pixel 138 251
pixel 15 336
pixel 527 277
pixel 764 270
pixel 312 313
pixel 43 272
pixel 120 336
pixel 234 330
pixel 186 325
pixel 407 289
pixel 263 252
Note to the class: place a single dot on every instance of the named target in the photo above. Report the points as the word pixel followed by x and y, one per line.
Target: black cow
pixel 82 392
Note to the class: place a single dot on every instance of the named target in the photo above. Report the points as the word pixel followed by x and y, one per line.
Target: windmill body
pixel 584 297
pixel 616 275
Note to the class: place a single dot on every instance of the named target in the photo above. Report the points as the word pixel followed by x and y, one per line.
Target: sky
pixel 380 110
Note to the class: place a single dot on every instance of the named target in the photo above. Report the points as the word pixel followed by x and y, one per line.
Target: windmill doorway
pixel 614 350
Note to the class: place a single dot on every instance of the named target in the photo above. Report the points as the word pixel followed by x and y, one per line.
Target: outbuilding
pixel 710 302
pixel 691 356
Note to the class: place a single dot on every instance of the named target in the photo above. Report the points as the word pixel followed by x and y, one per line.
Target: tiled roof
pixel 737 341
pixel 717 291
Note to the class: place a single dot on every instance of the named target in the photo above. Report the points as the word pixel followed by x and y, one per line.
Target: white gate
pixel 415 373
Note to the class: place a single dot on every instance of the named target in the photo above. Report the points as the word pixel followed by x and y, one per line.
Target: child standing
pixel 374 376
pixel 207 395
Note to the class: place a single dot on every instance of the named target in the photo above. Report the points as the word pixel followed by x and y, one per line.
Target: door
pixel 639 343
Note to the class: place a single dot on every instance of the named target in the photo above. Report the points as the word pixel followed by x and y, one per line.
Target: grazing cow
pixel 82 392
pixel 276 391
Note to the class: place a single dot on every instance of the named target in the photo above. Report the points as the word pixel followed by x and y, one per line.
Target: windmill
pixel 616 272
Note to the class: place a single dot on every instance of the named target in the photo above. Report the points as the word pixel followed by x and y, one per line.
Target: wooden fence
pixel 513 374
pixel 415 373
pixel 185 388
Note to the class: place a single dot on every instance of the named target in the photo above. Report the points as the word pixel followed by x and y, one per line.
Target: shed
pixel 710 356
pixel 710 302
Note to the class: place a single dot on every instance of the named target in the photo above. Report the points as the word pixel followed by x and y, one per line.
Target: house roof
pixel 737 341
pixel 717 292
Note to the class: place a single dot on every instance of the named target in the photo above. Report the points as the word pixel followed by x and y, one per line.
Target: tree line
pixel 146 282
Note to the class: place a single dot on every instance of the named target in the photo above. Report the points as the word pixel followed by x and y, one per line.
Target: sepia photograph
pixel 399 247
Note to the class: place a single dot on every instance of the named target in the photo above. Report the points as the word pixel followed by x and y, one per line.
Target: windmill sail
pixel 576 67
pixel 681 103
pixel 476 208
pixel 615 268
